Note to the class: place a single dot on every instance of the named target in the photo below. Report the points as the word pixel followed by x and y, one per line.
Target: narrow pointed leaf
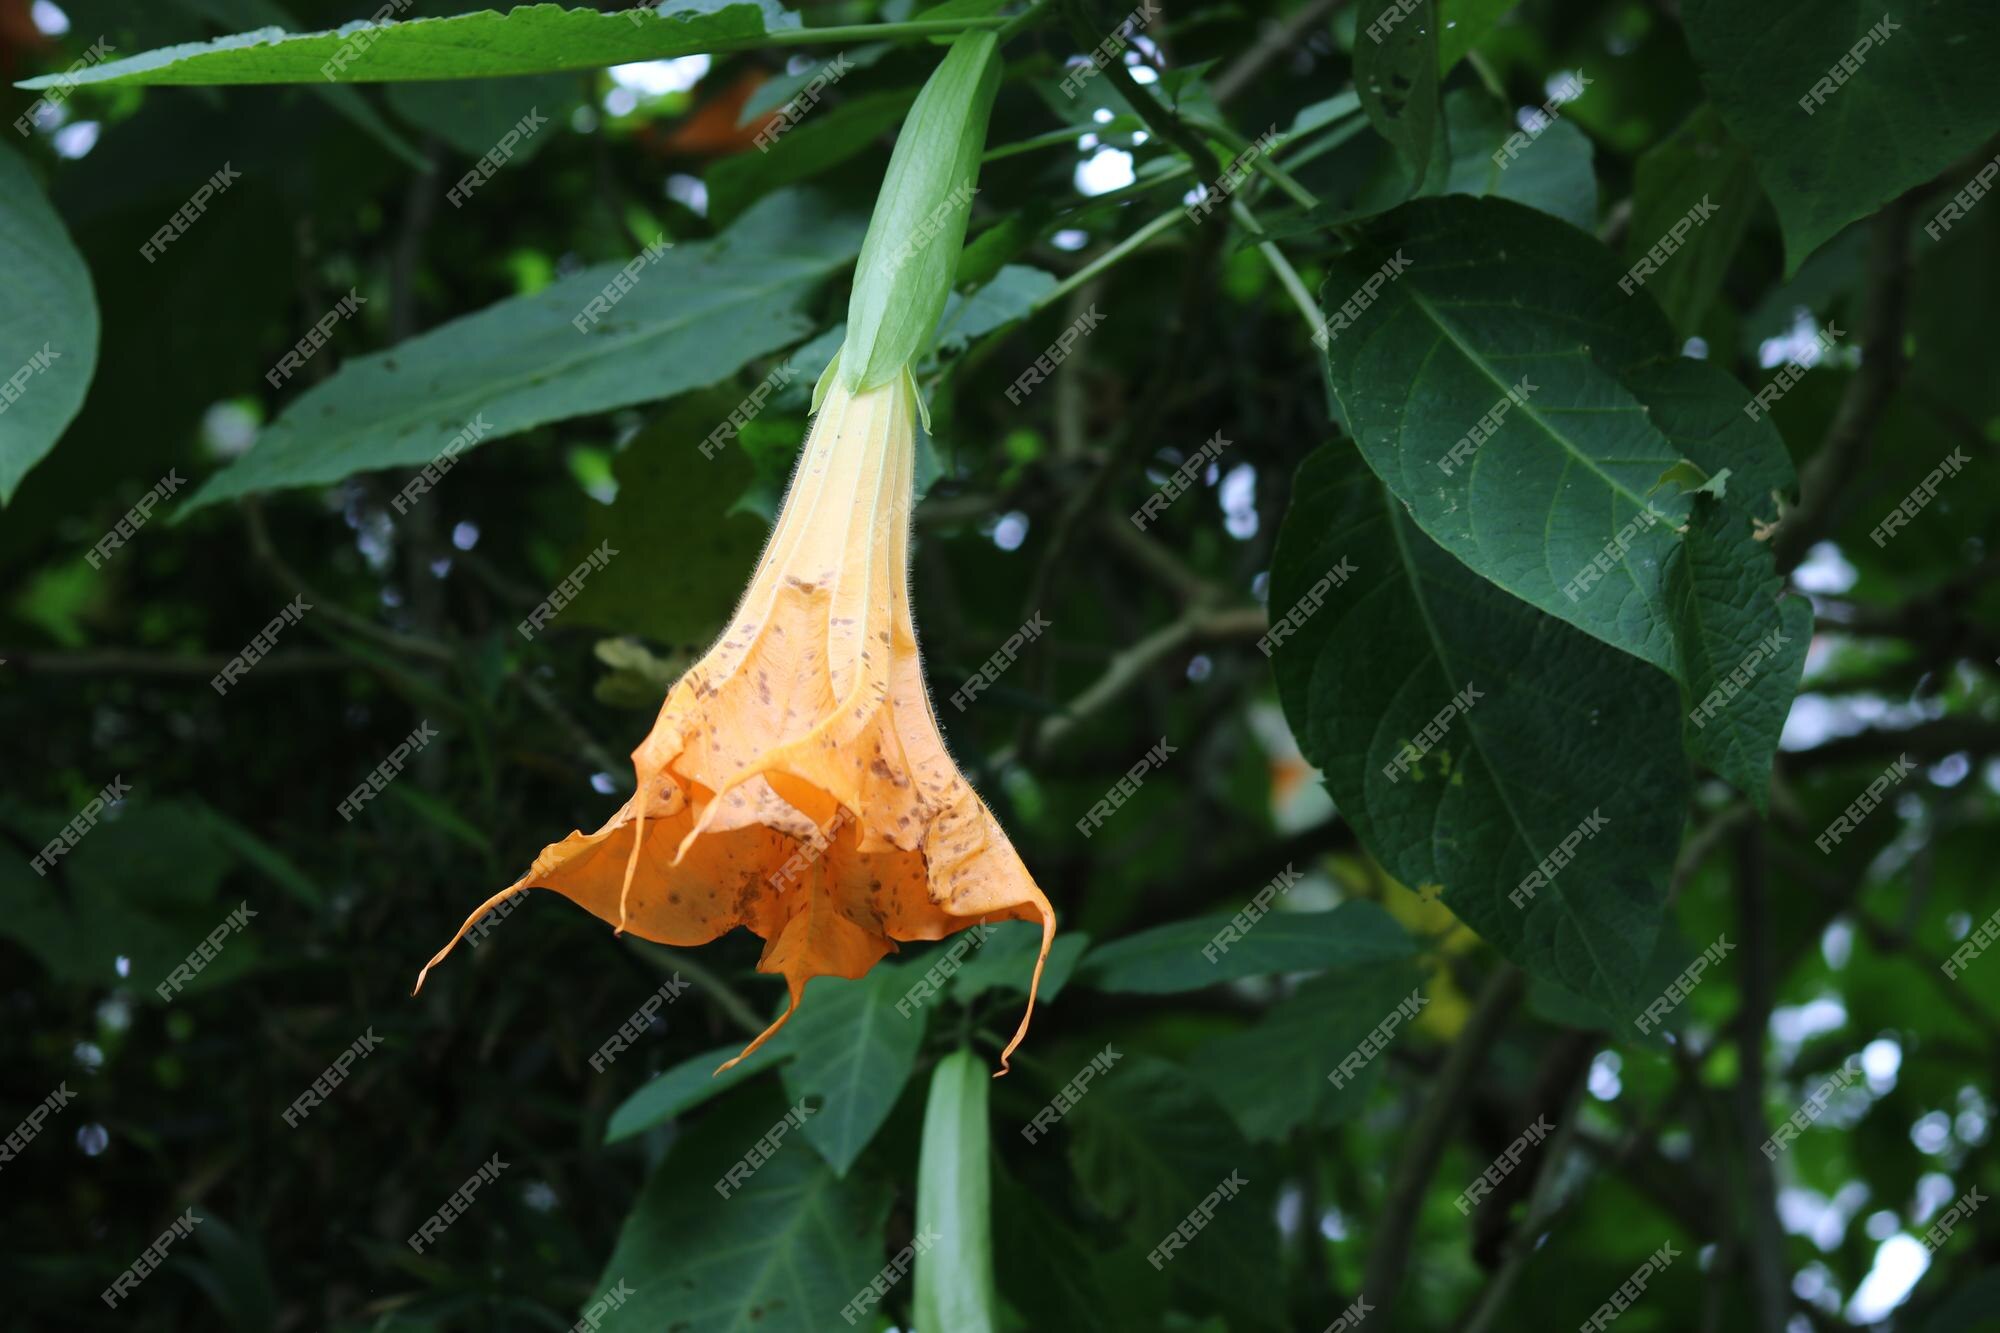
pixel 696 313
pixel 1204 951
pixel 527 39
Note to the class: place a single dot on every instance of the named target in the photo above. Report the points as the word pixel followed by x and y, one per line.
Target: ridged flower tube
pixel 796 782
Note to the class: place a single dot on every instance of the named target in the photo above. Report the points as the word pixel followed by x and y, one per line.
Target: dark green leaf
pixel 687 1085
pixel 1563 732
pixel 475 115
pixel 1463 24
pixel 1273 1075
pixel 784 1253
pixel 1838 129
pixel 1692 198
pixel 854 1051
pixel 1149 1146
pixel 1396 74
pixel 1204 951
pixel 827 137
pixel 1006 961
pixel 694 315
pixel 675 582
pixel 1519 404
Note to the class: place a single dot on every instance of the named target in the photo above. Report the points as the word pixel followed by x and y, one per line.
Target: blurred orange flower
pixel 796 782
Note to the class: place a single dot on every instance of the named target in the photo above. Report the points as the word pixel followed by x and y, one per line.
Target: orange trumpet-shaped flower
pixel 796 782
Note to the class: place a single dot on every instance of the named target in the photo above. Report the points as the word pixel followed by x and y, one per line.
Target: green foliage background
pixel 1466 201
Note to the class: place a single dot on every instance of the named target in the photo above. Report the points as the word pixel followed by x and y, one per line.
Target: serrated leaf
pixel 527 39
pixel 854 1052
pixel 1564 732
pixel 698 313
pixel 1835 132
pixel 1204 951
pixel 48 325
pixel 782 1254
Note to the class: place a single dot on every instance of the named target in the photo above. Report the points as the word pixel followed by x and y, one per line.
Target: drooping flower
pixel 796 782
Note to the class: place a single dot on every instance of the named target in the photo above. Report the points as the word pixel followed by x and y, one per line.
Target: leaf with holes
pixel 1396 74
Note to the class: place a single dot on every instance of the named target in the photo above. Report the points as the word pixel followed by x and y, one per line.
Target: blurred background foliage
pixel 609 1175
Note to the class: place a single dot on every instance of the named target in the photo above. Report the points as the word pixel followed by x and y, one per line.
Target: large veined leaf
pixel 48 325
pixel 1204 951
pixel 784 1253
pixel 527 39
pixel 1149 1145
pixel 1533 417
pixel 855 1052
pixel 696 313
pixel 1838 129
pixel 1562 742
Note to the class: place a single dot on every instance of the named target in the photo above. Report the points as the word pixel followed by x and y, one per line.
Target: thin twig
pixel 1884 305
pixel 1764 1236
pixel 1276 40
pixel 1424 1145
